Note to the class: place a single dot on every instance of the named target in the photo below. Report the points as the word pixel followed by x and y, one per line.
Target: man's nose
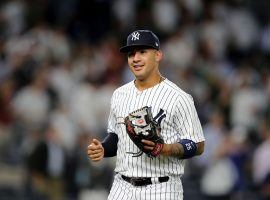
pixel 136 56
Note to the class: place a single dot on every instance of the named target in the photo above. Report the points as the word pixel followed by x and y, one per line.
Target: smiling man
pixel 153 128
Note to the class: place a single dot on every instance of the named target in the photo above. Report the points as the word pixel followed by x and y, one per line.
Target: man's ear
pixel 159 55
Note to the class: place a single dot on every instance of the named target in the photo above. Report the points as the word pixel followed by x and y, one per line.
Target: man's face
pixel 144 62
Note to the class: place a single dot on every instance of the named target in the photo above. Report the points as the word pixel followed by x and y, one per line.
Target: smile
pixel 137 67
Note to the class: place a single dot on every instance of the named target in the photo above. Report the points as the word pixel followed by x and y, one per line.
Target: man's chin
pixel 139 76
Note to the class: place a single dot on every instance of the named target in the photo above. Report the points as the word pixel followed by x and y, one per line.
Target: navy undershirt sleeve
pixel 110 145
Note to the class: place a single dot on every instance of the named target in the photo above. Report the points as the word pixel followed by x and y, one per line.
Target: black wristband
pixel 189 147
pixel 110 145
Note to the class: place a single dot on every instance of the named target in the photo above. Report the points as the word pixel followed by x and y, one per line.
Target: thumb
pixel 96 142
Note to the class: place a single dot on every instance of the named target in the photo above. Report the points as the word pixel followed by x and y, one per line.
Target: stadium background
pixel 59 64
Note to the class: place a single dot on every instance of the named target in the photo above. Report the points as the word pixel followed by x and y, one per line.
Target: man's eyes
pixel 131 54
pixel 142 51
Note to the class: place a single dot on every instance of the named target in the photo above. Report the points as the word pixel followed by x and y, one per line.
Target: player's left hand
pixel 149 145
pixel 149 141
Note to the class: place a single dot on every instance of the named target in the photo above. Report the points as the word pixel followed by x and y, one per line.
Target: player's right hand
pixel 95 150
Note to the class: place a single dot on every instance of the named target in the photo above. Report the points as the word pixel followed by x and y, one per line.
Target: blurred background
pixel 59 65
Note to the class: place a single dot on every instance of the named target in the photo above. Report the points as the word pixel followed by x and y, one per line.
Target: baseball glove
pixel 140 124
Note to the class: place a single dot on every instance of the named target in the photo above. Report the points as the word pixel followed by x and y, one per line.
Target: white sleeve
pixel 112 117
pixel 187 121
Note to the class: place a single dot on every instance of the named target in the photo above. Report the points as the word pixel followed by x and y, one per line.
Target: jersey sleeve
pixel 112 117
pixel 187 121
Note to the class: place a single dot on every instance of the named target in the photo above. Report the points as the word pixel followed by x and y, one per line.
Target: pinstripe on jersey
pixel 181 122
pixel 171 190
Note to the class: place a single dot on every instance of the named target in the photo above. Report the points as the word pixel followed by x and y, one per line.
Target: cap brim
pixel 129 48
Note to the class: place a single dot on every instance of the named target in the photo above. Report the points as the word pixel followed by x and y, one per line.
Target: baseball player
pixel 149 168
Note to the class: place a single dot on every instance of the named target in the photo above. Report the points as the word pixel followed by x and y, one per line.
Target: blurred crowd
pixel 60 63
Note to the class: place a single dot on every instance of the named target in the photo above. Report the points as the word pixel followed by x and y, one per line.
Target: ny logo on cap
pixel 135 36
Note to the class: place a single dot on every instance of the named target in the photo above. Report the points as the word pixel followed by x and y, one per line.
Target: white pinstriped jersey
pixel 181 122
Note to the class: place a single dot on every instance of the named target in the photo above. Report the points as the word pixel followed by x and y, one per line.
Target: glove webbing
pixel 159 116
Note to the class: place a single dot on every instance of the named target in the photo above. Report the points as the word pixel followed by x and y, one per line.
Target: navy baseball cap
pixel 141 38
